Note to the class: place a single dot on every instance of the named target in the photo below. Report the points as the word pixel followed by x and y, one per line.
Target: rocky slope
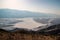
pixel 24 35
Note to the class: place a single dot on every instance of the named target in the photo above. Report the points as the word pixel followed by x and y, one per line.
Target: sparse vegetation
pixel 5 35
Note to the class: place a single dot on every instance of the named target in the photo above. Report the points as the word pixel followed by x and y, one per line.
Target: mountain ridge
pixel 11 13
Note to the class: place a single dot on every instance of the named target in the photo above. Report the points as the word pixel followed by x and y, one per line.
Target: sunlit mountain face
pixel 11 19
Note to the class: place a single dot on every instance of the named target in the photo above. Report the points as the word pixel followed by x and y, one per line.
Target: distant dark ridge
pixel 55 29
pixel 17 30
pixel 2 30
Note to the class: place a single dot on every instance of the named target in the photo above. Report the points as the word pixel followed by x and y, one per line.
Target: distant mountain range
pixel 10 13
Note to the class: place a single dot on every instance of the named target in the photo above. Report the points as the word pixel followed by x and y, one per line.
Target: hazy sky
pixel 44 6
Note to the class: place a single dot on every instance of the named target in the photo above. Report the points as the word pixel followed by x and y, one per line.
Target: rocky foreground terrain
pixel 24 35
